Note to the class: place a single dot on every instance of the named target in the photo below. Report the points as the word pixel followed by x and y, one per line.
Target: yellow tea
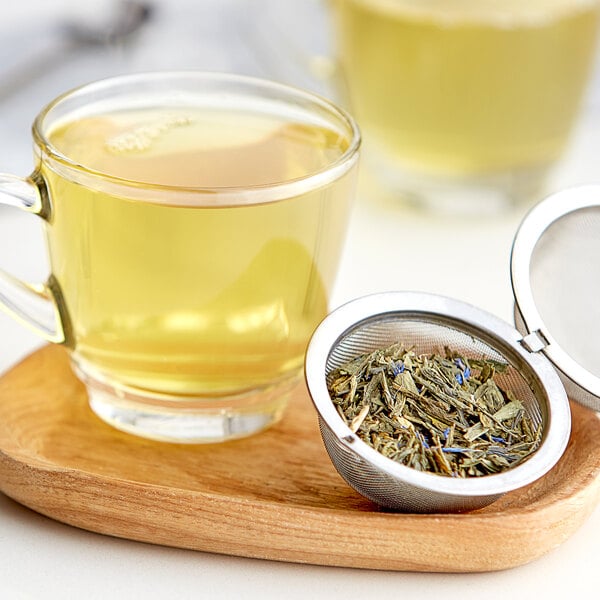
pixel 461 87
pixel 194 299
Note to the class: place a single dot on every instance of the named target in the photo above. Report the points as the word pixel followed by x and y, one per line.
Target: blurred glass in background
pixel 465 105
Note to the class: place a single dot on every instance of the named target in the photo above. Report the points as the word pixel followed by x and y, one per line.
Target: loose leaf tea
pixel 442 414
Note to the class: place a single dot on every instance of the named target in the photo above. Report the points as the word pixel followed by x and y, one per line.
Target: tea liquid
pixel 459 87
pixel 195 299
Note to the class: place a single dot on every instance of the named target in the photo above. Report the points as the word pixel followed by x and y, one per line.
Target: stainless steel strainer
pixel 428 323
pixel 555 269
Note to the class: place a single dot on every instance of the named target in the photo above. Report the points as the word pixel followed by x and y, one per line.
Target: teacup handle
pixel 33 304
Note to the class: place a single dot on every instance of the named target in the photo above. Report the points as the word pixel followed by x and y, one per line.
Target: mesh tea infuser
pixel 555 268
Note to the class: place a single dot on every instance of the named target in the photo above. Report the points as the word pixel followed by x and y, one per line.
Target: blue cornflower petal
pixel 459 363
pixel 423 440
pixel 398 368
pixel 459 378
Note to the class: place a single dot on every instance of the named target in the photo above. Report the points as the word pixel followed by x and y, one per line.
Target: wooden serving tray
pixel 275 495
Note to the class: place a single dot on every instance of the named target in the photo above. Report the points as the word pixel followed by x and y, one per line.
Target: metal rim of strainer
pixel 536 222
pixel 462 316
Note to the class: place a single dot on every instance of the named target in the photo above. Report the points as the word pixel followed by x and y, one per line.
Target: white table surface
pixel 464 258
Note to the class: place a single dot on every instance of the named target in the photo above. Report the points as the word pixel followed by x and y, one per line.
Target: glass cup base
pixel 188 420
pixel 477 194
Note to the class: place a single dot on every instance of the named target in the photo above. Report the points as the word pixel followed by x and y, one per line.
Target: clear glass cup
pixel 465 105
pixel 194 224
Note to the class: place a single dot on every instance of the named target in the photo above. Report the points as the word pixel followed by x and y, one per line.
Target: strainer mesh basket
pixel 424 333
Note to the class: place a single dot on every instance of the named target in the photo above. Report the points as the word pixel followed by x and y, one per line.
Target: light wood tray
pixel 275 495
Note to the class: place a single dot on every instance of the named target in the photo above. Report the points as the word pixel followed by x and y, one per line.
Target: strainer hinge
pixel 535 341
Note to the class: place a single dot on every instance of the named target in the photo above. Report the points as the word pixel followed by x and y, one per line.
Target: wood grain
pixel 275 495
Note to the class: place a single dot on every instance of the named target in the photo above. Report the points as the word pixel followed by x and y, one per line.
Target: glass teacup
pixel 194 224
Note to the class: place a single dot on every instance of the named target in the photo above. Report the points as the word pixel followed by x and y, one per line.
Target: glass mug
pixel 194 224
pixel 464 104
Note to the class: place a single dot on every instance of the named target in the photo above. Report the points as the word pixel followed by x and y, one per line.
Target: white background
pixel 467 258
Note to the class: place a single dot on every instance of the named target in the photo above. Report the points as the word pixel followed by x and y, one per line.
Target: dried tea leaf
pixel 475 431
pixel 509 411
pixel 439 413
pixel 358 420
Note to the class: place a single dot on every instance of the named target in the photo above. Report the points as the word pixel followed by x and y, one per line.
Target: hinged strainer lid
pixel 555 271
